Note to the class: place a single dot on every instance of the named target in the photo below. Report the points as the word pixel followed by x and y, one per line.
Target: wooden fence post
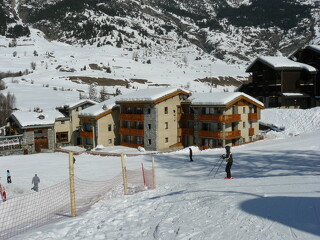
pixel 124 175
pixel 72 189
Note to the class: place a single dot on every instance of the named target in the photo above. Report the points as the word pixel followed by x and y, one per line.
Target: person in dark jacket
pixel 229 160
pixel 35 182
pixel 190 155
pixel 8 176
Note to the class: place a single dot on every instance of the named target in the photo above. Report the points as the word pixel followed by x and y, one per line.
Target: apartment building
pixel 149 118
pixel 220 119
pixel 100 124
pixel 281 82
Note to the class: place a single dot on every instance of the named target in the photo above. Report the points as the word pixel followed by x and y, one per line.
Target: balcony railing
pixel 86 134
pixel 132 145
pixel 131 117
pixel 132 132
pixel 251 131
pixel 252 116
pixel 220 118
pixel 220 135
pixel 10 142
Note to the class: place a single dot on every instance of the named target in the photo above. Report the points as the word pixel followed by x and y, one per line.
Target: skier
pixel 8 176
pixel 35 182
pixel 229 160
pixel 190 155
pixel 3 193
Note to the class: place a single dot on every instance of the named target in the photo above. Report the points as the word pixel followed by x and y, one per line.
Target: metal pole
pixel 72 189
pixel 218 168
pixel 153 173
pixel 124 175
pixel 143 175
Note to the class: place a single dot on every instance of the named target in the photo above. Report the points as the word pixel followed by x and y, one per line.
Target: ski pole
pixel 218 168
pixel 215 165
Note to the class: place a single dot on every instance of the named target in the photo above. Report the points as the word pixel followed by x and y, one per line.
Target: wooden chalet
pixel 281 82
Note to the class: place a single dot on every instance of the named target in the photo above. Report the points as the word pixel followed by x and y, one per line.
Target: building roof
pixel 151 94
pixel 315 48
pixel 36 119
pixel 221 98
pixel 282 63
pixel 75 104
pixel 100 108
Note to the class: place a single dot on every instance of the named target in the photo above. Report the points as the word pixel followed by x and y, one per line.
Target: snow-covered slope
pixel 274 194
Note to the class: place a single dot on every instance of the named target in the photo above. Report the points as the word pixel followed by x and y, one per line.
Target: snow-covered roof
pixel 282 63
pixel 314 47
pixel 219 98
pixel 32 119
pixel 99 108
pixel 75 104
pixel 149 94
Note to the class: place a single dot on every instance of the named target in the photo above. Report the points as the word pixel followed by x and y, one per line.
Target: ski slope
pixel 274 193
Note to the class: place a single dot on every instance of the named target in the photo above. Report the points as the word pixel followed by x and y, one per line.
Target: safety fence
pixel 21 214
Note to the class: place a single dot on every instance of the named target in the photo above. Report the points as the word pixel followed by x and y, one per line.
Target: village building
pixel 149 118
pixel 35 129
pixel 281 82
pixel 100 124
pixel 211 120
pixel 68 128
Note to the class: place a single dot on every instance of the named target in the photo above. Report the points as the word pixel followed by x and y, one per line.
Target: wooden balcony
pixel 252 116
pixel 251 131
pixel 220 118
pixel 187 131
pixel 131 117
pixel 86 134
pixel 132 145
pixel 220 135
pixel 132 132
pixel 187 116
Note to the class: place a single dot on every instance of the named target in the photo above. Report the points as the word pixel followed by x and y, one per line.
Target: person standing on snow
pixel 8 176
pixel 35 182
pixel 190 155
pixel 229 160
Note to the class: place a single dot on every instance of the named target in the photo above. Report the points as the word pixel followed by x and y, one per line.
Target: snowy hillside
pixel 274 193
pixel 61 72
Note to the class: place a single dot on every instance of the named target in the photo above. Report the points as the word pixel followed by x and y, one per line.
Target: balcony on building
pixel 220 135
pixel 131 114
pixel 220 118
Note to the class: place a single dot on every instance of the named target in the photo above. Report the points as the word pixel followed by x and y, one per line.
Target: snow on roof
pixel 99 108
pixel 72 105
pixel 282 63
pixel 28 119
pixel 218 98
pixel 149 94
pixel 314 47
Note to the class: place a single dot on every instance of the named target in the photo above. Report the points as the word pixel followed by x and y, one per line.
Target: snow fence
pixel 21 214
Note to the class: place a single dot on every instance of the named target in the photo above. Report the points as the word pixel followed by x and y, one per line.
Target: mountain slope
pixel 233 31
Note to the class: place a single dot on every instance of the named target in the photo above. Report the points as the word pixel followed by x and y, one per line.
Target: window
pixel 244 109
pixel 87 127
pixel 62 136
pixel 244 124
pixel 62 122
pixel 149 126
pixel 139 140
pixel 149 141
pixel 110 141
pixel 149 111
pixel 165 110
pixel 166 140
pixel 109 128
pixel 166 125
pixel 89 141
